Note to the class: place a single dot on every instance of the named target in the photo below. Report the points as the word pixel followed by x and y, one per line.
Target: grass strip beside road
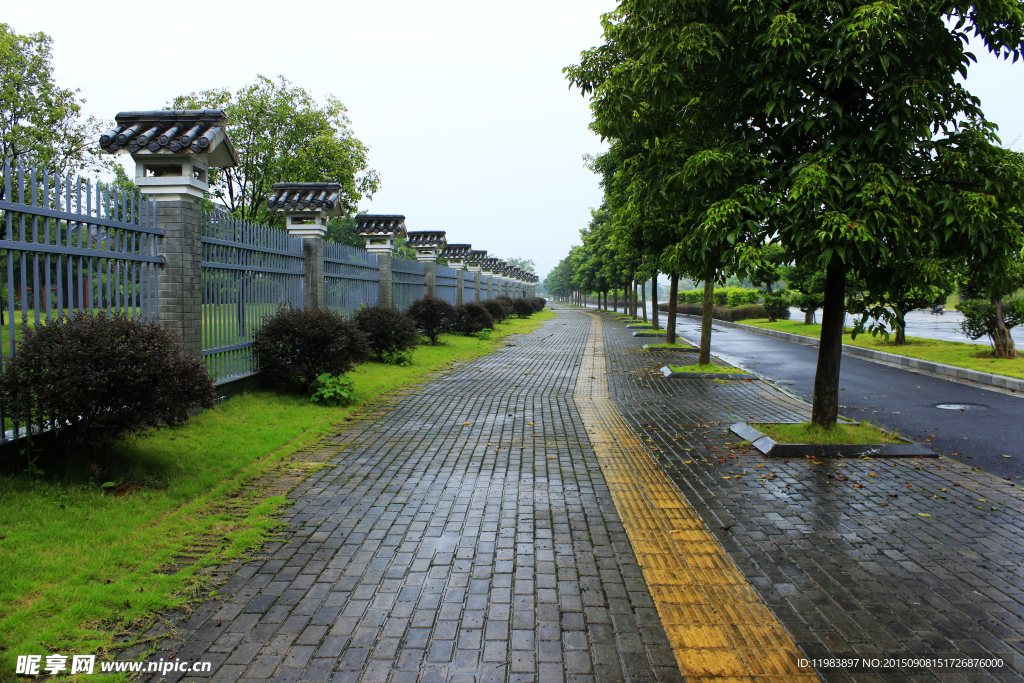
pixel 805 432
pixel 959 354
pixel 78 562
pixel 709 368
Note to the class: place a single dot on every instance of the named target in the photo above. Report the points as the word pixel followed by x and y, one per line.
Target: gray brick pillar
pixel 314 289
pixel 429 278
pixel 384 273
pixel 460 280
pixel 181 278
pixel 477 277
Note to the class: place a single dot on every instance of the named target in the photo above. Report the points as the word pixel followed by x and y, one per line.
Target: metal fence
pixel 407 280
pixel 351 277
pixel 469 286
pixel 249 270
pixel 446 284
pixel 71 245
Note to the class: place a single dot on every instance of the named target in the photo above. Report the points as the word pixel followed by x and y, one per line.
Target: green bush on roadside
pixel 95 378
pixel 334 391
pixel 294 347
pixel 389 332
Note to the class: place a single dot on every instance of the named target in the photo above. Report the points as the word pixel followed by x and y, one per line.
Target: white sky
pixel 468 117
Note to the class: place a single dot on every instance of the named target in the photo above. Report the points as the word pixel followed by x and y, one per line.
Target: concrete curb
pixel 939 369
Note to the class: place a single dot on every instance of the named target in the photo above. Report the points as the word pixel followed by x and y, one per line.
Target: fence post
pixel 380 232
pixel 175 173
pixel 180 287
pixel 456 255
pixel 428 245
pixel 474 262
pixel 306 207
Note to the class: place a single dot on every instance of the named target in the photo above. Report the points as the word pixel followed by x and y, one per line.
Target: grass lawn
pixel 710 367
pixel 805 432
pixel 79 562
pixel 669 346
pixel 960 354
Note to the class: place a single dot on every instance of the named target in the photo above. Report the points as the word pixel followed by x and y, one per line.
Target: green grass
pixel 78 562
pixel 669 346
pixel 805 432
pixel 959 354
pixel 710 367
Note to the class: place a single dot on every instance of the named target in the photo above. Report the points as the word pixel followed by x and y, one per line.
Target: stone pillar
pixel 477 276
pixel 460 280
pixel 180 285
pixel 314 288
pixel 384 273
pixel 429 278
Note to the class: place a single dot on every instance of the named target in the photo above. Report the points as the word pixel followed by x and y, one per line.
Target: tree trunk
pixel 768 293
pixel 615 299
pixel 825 407
pixel 1002 342
pixel 643 299
pixel 704 356
pixel 655 318
pixel 670 325
pixel 809 316
pixel 901 326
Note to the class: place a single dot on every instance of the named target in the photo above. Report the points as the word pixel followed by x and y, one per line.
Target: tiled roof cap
pixel 457 251
pixel 371 224
pixel 425 239
pixel 172 131
pixel 477 256
pixel 305 197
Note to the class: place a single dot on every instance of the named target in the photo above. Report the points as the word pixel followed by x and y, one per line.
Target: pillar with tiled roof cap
pixel 174 151
pixel 306 207
pixel 474 264
pixel 380 232
pixel 428 244
pixel 490 268
pixel 456 255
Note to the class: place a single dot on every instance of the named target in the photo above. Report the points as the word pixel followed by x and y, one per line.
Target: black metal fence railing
pixel 446 284
pixel 407 279
pixel 69 244
pixel 351 278
pixel 248 271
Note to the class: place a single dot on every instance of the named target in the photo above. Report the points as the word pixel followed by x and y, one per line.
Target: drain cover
pixel 960 406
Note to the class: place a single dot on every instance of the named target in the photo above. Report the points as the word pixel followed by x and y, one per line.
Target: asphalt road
pixel 896 399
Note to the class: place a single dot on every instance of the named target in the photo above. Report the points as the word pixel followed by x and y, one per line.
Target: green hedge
pixel 732 297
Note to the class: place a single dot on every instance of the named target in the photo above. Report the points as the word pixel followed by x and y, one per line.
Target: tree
pixel 40 122
pixel 832 123
pixel 282 134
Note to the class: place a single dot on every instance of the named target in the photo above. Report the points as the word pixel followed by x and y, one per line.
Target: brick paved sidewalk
pixel 857 558
pixel 465 535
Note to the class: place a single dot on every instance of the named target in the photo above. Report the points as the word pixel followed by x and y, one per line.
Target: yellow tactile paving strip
pixel 718 627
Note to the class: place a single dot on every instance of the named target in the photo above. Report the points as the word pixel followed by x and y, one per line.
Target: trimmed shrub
pixel 472 317
pixel 294 347
pixel 522 308
pixel 389 332
pixel 776 305
pixel 506 303
pixel 736 297
pixel 95 378
pixel 495 309
pixel 538 303
pixel 722 313
pixel 433 317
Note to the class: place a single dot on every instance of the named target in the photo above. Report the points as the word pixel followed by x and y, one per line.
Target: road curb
pixel 939 369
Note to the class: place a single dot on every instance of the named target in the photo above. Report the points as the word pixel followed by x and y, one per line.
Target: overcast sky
pixel 463 103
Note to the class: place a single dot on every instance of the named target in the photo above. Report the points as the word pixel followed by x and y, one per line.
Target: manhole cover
pixel 960 406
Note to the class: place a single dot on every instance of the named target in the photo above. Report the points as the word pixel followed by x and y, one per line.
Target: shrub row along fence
pixel 68 245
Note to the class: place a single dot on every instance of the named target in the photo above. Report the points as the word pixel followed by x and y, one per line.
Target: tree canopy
pixel 282 134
